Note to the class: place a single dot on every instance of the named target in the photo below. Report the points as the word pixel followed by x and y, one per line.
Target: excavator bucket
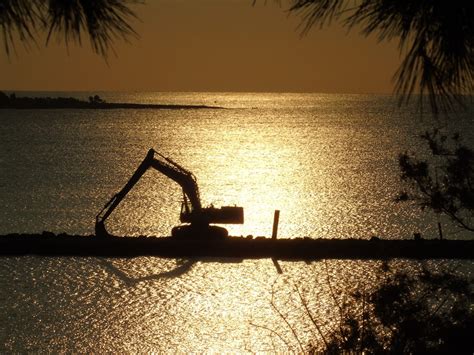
pixel 100 230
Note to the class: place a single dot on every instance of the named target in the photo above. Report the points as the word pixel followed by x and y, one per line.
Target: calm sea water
pixel 327 162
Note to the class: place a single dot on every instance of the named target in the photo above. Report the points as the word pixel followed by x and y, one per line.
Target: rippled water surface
pixel 327 162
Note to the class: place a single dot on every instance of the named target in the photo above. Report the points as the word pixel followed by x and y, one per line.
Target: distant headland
pixel 94 102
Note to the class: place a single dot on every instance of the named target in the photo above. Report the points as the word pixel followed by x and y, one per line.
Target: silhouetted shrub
pixel 444 184
pixel 96 99
pixel 406 313
pixel 4 100
pixel 419 313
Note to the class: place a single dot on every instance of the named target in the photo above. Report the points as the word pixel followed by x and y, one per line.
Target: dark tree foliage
pixel 436 37
pixel 102 20
pixel 96 99
pixel 446 187
pixel 4 99
pixel 424 312
pixel 417 312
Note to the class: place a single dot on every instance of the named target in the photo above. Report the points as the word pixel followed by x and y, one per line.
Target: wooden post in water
pixel 440 231
pixel 276 218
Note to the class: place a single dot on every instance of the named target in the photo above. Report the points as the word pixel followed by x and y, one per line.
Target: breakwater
pixel 49 244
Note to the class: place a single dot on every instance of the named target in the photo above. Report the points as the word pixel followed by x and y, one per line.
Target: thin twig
pixel 308 312
pixel 341 316
pixel 362 331
pixel 271 331
pixel 293 331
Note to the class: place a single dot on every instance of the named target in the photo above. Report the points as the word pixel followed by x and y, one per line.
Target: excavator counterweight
pixel 192 211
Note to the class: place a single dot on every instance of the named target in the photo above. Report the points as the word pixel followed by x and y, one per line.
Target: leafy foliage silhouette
pixel 422 312
pixel 446 187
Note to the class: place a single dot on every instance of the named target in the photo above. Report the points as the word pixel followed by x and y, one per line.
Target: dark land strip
pixel 96 103
pixel 49 244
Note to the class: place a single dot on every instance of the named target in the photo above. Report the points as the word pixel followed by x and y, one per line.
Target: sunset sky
pixel 211 45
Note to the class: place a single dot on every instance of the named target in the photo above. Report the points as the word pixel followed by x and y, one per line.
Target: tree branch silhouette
pixel 103 21
pixel 435 36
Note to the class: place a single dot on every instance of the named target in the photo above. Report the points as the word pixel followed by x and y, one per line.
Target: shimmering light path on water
pixel 143 304
pixel 327 162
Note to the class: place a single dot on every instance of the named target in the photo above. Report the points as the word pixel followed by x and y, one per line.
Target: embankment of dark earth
pixel 49 244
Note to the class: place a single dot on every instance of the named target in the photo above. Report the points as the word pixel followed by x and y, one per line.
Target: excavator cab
pixel 223 215
pixel 192 212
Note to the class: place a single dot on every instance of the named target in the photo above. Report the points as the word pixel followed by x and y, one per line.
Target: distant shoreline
pixel 94 103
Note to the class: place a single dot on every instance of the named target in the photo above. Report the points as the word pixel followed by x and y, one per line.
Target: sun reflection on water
pixel 331 172
pixel 327 162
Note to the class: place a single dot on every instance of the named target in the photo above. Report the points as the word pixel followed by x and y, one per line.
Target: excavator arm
pixel 191 210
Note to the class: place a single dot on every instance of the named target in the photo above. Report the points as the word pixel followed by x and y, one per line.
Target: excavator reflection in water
pixel 192 212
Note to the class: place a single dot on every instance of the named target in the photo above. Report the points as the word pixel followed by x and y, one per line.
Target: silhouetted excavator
pixel 192 212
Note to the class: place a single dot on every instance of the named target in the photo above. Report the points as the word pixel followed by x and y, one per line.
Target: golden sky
pixel 211 45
